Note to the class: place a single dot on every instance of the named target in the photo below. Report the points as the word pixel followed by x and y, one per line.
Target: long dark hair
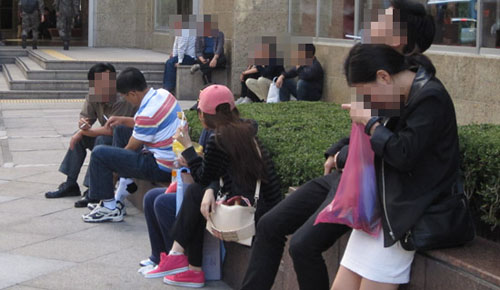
pixel 364 60
pixel 237 138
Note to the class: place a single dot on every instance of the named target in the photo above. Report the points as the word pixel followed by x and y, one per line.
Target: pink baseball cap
pixel 214 95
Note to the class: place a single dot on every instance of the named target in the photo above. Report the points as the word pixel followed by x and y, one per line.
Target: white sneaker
pixel 145 269
pixel 292 98
pixel 120 205
pixel 147 262
pixel 103 214
pixel 239 100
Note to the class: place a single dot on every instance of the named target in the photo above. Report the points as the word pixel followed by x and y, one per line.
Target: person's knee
pixel 298 247
pixel 149 200
pixel 266 227
pixel 121 130
pixel 165 204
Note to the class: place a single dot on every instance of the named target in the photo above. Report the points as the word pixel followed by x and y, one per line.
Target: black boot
pixel 66 45
pixel 23 42
pixel 35 44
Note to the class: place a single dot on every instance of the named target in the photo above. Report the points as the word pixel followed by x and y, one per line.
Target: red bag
pixel 355 203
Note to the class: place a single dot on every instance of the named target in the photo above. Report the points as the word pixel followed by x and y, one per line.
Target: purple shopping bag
pixel 355 203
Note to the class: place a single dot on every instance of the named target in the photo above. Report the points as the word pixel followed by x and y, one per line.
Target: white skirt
pixel 366 256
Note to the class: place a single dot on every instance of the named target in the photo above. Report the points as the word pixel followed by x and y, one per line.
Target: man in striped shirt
pixel 155 123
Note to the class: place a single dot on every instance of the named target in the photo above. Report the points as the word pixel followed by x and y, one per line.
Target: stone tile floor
pixel 43 243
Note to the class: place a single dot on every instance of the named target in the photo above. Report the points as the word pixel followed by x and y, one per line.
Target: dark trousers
pixel 73 161
pixel 159 210
pixel 302 90
pixel 207 70
pixel 190 225
pixel 296 215
pixel 245 92
pixel 125 163
pixel 170 73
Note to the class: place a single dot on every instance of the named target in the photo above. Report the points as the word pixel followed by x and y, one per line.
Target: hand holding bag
pixel 231 221
pixel 355 203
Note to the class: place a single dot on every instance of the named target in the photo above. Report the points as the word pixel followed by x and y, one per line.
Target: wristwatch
pixel 372 122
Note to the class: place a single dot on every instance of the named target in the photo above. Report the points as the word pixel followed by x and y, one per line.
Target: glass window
pixel 455 21
pixel 336 18
pixel 303 17
pixel 491 23
pixel 164 8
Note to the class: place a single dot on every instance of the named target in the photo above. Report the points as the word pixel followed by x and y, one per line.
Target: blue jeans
pixel 302 90
pixel 170 74
pixel 73 160
pixel 159 210
pixel 108 159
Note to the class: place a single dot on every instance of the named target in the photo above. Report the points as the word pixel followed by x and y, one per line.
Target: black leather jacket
pixel 416 156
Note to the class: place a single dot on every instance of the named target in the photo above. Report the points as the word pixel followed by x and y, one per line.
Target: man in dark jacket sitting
pixel 309 87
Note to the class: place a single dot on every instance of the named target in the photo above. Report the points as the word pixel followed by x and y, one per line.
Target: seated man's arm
pixel 134 144
pixel 94 132
pixel 120 120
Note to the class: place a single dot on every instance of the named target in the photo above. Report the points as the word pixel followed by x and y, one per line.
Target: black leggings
pixel 189 226
pixel 296 215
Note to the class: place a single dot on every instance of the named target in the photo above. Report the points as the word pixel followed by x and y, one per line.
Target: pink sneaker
pixel 189 278
pixel 169 265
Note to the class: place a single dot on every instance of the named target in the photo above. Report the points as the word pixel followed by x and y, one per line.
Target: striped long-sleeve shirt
pixel 216 163
pixel 156 123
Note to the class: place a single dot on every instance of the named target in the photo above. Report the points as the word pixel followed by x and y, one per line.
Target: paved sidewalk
pixel 43 243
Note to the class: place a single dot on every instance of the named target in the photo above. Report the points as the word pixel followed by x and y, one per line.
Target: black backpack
pixel 29 6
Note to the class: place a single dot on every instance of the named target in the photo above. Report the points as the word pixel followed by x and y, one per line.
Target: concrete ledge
pixel 188 85
pixel 143 186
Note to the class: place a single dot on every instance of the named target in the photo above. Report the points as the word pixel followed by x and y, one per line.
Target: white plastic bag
pixel 273 95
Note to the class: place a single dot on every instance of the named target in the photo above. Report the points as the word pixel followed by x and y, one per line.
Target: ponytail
pixel 419 60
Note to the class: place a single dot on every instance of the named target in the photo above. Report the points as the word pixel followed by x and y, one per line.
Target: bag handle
pixel 258 183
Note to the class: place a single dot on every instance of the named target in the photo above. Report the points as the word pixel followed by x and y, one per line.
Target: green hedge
pixel 298 133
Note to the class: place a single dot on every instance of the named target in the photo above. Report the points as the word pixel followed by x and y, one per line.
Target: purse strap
pixel 258 183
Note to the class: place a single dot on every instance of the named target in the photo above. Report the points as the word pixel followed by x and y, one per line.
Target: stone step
pixel 8 55
pixel 17 81
pixel 56 64
pixel 6 93
pixel 33 71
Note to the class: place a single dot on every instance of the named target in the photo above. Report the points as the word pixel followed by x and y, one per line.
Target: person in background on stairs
pixel 148 154
pixel 101 103
pixel 31 12
pixel 209 49
pixel 183 50
pixel 66 11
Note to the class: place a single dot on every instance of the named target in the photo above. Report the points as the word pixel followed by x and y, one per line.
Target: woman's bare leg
pixel 372 285
pixel 346 280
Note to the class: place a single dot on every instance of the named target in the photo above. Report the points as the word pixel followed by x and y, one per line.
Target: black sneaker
pixel 64 190
pixel 85 200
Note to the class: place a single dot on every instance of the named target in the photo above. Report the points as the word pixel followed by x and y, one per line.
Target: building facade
pixel 466 50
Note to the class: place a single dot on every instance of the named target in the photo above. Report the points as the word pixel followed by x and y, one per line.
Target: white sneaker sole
pixel 163 274
pixel 183 284
pixel 103 220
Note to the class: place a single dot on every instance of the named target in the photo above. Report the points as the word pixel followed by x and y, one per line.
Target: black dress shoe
pixel 64 190
pixel 85 200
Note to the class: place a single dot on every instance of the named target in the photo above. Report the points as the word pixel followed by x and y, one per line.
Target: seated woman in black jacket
pixel 411 120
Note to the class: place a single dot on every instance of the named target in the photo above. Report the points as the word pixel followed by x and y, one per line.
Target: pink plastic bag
pixel 355 203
